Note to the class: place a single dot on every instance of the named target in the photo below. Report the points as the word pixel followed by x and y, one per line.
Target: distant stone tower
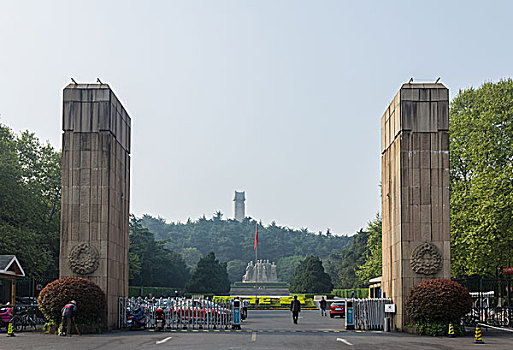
pixel 239 206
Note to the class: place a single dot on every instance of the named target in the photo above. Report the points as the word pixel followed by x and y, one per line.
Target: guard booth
pixel 375 288
pixel 10 269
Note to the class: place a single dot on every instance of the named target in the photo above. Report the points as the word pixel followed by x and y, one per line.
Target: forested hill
pixel 231 240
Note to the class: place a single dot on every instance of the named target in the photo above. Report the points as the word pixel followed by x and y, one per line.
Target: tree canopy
pixel 481 171
pixel 232 240
pixel 372 267
pixel 342 266
pixel 210 276
pixel 151 263
pixel 310 277
pixel 30 174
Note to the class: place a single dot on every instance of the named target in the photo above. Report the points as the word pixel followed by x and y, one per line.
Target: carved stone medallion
pixel 426 259
pixel 84 259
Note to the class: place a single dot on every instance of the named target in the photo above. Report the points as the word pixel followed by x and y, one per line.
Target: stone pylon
pixel 415 191
pixel 239 207
pixel 95 191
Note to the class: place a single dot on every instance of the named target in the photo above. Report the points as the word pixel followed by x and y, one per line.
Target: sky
pixel 281 99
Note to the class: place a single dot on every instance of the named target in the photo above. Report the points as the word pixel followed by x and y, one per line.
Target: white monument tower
pixel 239 206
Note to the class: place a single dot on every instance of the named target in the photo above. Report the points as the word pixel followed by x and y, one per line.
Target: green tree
pixel 236 269
pixel 29 201
pixel 191 256
pixel 372 267
pixel 210 276
pixel 151 263
pixel 342 266
pixel 286 266
pixel 310 277
pixel 481 173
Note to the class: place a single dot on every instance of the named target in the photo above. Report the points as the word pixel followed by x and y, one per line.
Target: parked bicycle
pixel 497 317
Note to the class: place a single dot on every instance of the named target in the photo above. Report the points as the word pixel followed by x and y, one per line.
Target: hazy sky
pixel 281 99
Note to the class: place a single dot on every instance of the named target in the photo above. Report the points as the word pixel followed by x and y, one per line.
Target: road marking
pixel 344 341
pixel 253 336
pixel 163 340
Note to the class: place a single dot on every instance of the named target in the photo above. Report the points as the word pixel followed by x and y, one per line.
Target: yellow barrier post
pixel 451 330
pixel 477 338
pixel 10 330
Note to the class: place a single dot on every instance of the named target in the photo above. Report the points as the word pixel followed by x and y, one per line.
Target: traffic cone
pixel 477 338
pixel 451 331
pixel 10 330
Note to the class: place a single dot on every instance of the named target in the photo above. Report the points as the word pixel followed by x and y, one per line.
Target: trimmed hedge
pixel 438 301
pixel 346 293
pixel 136 291
pixel 89 297
pixel 260 284
pixel 271 302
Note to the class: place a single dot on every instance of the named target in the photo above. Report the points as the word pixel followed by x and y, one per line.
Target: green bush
pixel 89 297
pixel 438 301
pixel 437 329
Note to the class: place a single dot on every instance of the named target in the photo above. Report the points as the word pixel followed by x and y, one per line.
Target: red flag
pixel 256 237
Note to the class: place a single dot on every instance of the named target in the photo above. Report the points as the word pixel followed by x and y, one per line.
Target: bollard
pixel 184 316
pixel 477 338
pixel 215 316
pixel 451 331
pixel 194 316
pixel 226 316
pixel 10 330
pixel 386 324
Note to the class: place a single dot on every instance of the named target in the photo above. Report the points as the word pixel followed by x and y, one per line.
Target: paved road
pixel 263 330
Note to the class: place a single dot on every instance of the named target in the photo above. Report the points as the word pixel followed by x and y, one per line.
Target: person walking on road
pixel 245 304
pixel 68 314
pixel 323 304
pixel 295 307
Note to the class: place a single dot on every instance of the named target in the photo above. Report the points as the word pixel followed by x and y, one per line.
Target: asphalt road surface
pixel 262 330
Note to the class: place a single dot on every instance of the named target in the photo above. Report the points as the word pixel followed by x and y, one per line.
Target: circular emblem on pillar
pixel 426 259
pixel 84 259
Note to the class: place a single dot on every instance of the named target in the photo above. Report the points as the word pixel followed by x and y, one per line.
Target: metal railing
pixel 179 313
pixel 369 314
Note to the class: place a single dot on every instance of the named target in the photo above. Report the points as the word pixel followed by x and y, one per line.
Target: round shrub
pixel 89 297
pixel 438 301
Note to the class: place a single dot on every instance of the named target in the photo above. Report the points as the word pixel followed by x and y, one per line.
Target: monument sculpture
pixel 415 191
pixel 95 190
pixel 239 210
pixel 262 271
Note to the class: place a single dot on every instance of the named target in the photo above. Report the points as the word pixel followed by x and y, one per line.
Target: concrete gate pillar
pixel 415 191
pixel 95 190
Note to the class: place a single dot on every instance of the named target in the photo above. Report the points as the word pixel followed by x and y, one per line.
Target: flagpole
pixel 256 248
